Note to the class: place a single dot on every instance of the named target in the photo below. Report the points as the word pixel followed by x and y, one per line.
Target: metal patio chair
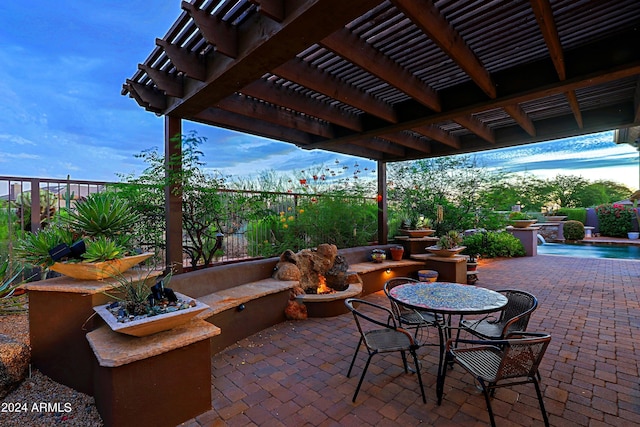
pixel 407 317
pixel 502 363
pixel 514 317
pixel 380 334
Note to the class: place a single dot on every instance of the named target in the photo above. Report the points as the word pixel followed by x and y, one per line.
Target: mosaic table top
pixel 449 298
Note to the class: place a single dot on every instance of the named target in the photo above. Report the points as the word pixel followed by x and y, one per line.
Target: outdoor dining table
pixel 447 299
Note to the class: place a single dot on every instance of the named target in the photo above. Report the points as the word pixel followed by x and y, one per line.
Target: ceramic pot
pixel 396 253
pixel 633 235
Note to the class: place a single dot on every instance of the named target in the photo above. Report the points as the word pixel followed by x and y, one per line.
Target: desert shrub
pixel 575 214
pixel 614 220
pixel 492 244
pixel 573 230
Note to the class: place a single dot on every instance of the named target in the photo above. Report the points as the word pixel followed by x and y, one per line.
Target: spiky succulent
pixel 34 248
pixel 103 249
pixel 450 240
pixel 102 214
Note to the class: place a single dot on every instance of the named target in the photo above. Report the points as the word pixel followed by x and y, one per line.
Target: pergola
pixel 394 80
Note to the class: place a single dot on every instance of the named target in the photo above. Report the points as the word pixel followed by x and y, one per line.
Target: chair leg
pixel 542 408
pixel 488 401
pixel 364 371
pixel 404 362
pixel 442 367
pixel 354 358
pixel 415 360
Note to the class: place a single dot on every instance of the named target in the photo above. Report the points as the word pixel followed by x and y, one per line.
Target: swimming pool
pixel 590 250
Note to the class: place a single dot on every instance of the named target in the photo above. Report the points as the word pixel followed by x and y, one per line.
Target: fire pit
pixel 324 278
pixel 329 302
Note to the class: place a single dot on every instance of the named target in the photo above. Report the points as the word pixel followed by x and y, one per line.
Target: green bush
pixel 614 220
pixel 573 230
pixel 575 214
pixel 492 244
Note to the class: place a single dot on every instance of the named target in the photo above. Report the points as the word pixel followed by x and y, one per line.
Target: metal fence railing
pixel 241 234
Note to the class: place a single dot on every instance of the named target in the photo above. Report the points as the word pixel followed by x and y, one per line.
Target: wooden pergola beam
pixel 265 45
pixel 216 32
pixel 239 104
pixel 310 77
pixel 439 135
pixel 298 102
pixel 518 114
pixel 429 19
pixel 346 44
pixel 184 60
pixel 409 141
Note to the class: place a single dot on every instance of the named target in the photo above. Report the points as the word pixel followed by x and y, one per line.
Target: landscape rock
pixel 14 364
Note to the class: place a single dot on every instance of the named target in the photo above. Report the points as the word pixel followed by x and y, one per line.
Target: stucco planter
pixel 99 270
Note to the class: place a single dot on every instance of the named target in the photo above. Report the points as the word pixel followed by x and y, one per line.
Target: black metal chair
pixel 514 317
pixel 380 334
pixel 502 363
pixel 407 317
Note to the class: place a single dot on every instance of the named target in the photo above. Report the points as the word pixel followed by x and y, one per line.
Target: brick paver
pixel 294 374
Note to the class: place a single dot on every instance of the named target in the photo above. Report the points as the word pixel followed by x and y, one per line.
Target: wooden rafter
pixel 265 45
pixel 171 85
pixel 543 87
pixel 218 33
pixel 284 72
pixel 426 16
pixel 185 61
pixel 409 141
pixel 287 118
pixel 546 22
pixel 437 134
pixel 351 47
pixel 297 102
pixel 274 9
pixel 575 107
pixel 310 77
pixel 518 114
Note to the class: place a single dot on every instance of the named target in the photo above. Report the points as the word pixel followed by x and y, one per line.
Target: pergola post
pixel 173 193
pixel 35 205
pixel 383 227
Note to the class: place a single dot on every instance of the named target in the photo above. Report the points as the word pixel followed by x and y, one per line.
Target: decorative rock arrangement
pixel 14 364
pixel 308 265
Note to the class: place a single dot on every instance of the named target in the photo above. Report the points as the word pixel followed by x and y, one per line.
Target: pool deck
pixel 294 374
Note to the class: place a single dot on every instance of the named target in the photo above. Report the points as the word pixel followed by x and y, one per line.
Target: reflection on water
pixel 590 250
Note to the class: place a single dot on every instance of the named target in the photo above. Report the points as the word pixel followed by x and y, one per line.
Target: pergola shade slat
pixel 398 79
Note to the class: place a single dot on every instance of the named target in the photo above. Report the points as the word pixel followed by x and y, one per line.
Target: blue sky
pixel 62 66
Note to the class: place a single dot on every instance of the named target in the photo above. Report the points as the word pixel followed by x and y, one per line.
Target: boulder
pixel 14 364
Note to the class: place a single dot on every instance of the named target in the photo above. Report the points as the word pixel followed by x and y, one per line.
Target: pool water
pixel 590 250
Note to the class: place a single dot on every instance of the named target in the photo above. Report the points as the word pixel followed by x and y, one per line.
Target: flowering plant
pixel 634 198
pixel 614 220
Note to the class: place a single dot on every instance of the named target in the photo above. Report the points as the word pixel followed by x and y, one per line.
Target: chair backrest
pixel 398 310
pixel 516 315
pixel 522 354
pixel 369 315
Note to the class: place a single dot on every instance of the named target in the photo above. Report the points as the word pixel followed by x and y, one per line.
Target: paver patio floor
pixel 294 374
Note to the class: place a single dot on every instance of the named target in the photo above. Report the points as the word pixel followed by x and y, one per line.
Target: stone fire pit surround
pixel 308 265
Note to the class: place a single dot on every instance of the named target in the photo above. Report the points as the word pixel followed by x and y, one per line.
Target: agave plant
pixel 103 249
pixel 450 240
pixel 9 283
pixel 33 248
pixel 102 214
